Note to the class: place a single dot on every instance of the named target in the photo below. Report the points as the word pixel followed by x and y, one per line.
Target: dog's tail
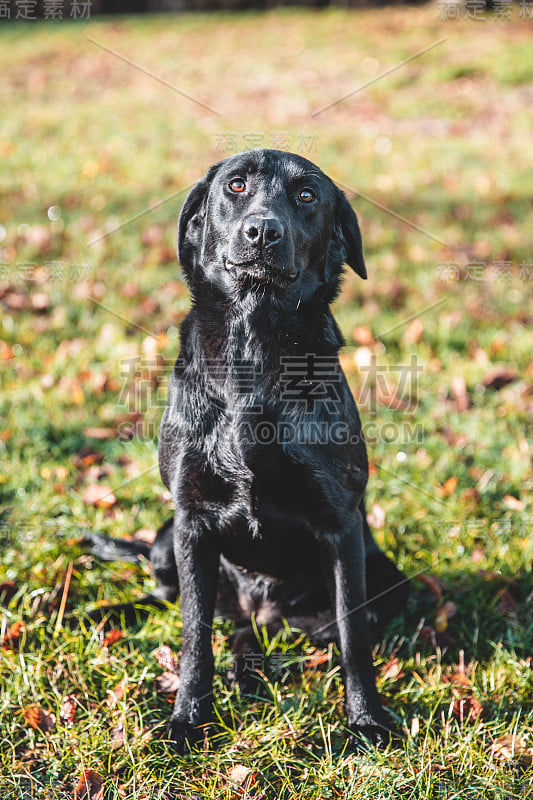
pixel 109 549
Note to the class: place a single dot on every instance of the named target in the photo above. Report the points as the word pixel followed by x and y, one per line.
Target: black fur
pixel 272 525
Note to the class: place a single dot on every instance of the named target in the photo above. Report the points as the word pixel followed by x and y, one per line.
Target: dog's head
pixel 271 219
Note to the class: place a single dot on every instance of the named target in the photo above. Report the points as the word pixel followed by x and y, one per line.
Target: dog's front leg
pixel 197 561
pixel 345 573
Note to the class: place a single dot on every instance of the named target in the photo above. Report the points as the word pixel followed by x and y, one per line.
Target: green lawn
pixel 437 159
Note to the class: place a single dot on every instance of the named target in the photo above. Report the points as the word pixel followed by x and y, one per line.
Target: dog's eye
pixel 306 196
pixel 237 185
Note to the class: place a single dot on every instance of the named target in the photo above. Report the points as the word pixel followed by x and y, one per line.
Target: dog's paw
pixel 182 735
pixel 362 738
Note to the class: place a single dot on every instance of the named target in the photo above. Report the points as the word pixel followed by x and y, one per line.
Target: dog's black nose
pixel 263 231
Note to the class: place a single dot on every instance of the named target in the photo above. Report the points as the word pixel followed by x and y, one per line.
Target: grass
pixel 89 329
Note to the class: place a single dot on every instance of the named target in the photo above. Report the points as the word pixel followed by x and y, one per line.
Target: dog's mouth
pixel 257 270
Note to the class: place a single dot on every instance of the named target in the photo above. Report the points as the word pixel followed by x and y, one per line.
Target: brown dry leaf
pixel 99 495
pixel 414 332
pixel 508 747
pixel 458 679
pixel 444 613
pixel 241 779
pixel 506 602
pixel 113 636
pixel 39 301
pixel 513 502
pixel 449 486
pixel 432 583
pixel 392 670
pixel 489 575
pixel 376 517
pixel 470 498
pixel 68 711
pixel 117 693
pixel 6 352
pixel 167 683
pixel 499 377
pixel 362 335
pixel 166 659
pixel 428 636
pixel 90 786
pixel 15 300
pixel 118 735
pixel 87 457
pixel 99 433
pixel 145 535
pixel 40 719
pixel 316 659
pixel 459 391
pixel 13 636
pixel 467 709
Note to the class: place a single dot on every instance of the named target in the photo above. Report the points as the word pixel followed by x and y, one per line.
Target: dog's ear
pixel 191 221
pixel 347 236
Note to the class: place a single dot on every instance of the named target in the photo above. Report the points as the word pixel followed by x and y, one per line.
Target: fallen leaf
pixel 459 391
pixel 316 659
pixel 448 487
pixel 6 352
pixel 509 747
pixel 15 300
pixel 166 659
pixel 470 498
pixel 432 583
pixel 506 602
pixel 118 735
pixel 99 433
pixel 167 683
pixel 113 636
pixel 362 335
pixel 145 535
pixel 241 779
pixel 376 517
pixel 40 719
pixel 68 710
pixel 39 301
pixel 513 502
pixel 458 679
pixel 414 332
pixel 444 613
pixel 13 636
pixel 116 694
pixel 90 786
pixel 467 709
pixel 99 495
pixel 88 456
pixel 392 669
pixel 499 377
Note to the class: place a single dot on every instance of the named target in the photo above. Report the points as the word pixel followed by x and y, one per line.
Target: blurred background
pixel 423 114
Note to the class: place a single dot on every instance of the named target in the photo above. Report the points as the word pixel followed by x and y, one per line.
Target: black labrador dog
pixel 260 443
